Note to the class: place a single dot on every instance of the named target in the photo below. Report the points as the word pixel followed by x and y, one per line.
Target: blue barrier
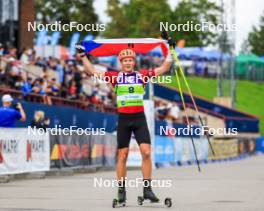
pixel 67 116
pixel 80 118
pixel 179 151
pixel 164 150
pixel 180 130
pixel 260 144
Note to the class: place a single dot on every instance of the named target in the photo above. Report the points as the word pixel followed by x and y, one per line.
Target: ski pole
pixel 186 116
pixel 189 91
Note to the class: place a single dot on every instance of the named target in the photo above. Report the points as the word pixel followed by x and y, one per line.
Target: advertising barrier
pixel 171 150
pixel 184 148
pixel 22 152
pixel 164 150
pixel 224 149
pixel 82 150
pixel 103 150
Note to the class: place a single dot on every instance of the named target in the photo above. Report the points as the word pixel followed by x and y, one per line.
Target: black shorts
pixel 128 123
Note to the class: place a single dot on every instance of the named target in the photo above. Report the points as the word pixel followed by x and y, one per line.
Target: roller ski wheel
pixel 168 202
pixel 141 201
pixel 116 203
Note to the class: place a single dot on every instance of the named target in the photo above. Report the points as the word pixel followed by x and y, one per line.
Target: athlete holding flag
pixel 129 87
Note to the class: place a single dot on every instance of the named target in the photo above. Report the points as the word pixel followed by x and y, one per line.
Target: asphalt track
pixel 236 185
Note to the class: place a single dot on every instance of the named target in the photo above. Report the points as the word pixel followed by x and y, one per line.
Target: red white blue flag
pixel 110 47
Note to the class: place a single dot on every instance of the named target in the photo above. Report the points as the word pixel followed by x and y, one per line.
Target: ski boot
pixel 121 198
pixel 149 196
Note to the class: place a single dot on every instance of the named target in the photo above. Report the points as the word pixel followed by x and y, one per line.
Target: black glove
pixel 170 41
pixel 164 35
pixel 80 49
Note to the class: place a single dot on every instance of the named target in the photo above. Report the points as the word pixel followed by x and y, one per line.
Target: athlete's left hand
pixel 170 41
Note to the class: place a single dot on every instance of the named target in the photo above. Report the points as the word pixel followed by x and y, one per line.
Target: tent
pixel 194 53
pixel 249 66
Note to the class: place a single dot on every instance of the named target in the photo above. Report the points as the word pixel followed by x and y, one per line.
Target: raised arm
pixel 167 63
pixel 164 67
pixel 89 68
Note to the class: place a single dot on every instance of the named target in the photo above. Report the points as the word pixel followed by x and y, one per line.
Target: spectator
pixel 32 57
pixel 73 90
pixel 2 73
pixel 25 56
pixel 13 71
pixel 59 68
pixel 27 86
pixel 40 121
pixel 161 110
pixel 9 114
pixel 77 77
pixel 52 88
pixel 1 55
pixel 174 112
pixel 39 88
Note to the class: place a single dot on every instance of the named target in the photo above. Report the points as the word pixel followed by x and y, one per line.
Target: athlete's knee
pixel 146 154
pixel 122 156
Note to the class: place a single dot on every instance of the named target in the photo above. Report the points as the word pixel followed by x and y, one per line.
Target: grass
pixel 249 95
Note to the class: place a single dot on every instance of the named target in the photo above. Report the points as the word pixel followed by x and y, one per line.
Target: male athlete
pixel 129 87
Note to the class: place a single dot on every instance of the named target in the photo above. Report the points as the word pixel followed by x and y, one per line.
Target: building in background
pixel 14 15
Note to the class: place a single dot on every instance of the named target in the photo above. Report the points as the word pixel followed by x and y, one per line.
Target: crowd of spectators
pixel 59 78
pixel 173 113
pixel 71 83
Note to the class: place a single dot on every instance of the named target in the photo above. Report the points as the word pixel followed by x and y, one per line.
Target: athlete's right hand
pixel 80 49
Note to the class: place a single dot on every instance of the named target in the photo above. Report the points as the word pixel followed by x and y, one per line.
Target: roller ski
pixel 150 197
pixel 120 201
pixel 141 200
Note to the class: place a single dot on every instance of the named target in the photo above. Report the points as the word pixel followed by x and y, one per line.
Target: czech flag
pixel 110 47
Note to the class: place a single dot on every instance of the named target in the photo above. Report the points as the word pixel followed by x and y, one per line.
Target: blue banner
pixel 55 38
pixel 164 149
pixel 41 37
pixel 74 39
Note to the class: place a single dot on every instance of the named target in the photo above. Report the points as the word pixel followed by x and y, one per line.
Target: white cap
pixel 11 59
pixel 7 98
pixel 169 105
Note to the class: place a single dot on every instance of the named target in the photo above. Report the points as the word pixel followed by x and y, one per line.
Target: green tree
pixel 141 18
pixel 81 11
pixel 196 11
pixel 118 27
pixel 256 37
pixel 137 18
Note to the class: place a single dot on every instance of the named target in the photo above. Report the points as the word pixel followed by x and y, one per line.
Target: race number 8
pixel 131 89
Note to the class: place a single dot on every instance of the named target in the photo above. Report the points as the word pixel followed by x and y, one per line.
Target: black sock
pixel 147 184
pixel 121 184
